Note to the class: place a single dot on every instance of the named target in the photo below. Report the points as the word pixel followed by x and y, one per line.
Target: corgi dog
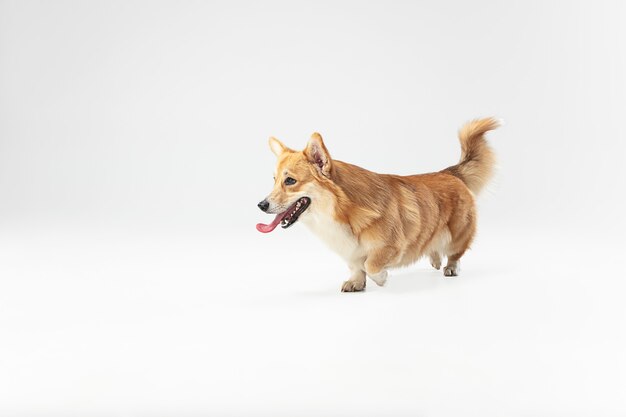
pixel 380 221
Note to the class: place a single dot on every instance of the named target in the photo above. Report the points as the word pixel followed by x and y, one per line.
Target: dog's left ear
pixel 318 155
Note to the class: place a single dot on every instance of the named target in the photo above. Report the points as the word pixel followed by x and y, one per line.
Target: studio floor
pixel 139 324
pixel 148 324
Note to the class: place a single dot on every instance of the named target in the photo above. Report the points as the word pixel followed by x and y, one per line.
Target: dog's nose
pixel 264 205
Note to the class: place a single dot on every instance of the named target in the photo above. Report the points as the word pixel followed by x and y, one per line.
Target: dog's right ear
pixel 277 146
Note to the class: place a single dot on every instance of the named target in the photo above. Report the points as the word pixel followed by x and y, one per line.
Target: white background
pixel 133 151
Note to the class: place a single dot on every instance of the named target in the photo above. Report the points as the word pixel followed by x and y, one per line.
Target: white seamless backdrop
pixel 133 151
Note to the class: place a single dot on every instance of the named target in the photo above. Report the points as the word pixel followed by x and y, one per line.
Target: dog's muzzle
pixel 264 205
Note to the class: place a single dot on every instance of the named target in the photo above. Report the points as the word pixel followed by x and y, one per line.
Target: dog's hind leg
pixel 453 268
pixel 435 260
pixel 462 230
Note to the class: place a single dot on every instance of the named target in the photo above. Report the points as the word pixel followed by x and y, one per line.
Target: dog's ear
pixel 318 155
pixel 277 146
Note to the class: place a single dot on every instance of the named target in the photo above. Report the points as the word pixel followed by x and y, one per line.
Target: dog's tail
pixel 477 159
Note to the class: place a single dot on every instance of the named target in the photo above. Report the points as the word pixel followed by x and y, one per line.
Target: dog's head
pixel 298 179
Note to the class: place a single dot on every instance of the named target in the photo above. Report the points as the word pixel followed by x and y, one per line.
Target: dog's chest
pixel 337 236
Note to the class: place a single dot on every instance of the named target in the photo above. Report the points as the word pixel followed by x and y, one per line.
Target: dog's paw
pixel 435 261
pixel 380 278
pixel 353 286
pixel 451 271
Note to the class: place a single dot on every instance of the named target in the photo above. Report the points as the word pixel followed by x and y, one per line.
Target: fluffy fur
pixel 381 221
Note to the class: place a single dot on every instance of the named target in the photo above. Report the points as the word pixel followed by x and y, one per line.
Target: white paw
pixel 435 260
pixel 353 286
pixel 451 271
pixel 380 278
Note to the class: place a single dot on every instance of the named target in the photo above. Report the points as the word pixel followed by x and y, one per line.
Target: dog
pixel 380 221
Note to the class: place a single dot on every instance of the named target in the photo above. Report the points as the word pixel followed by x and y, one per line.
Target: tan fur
pixel 477 159
pixel 381 221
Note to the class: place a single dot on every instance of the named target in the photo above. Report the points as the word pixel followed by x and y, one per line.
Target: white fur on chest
pixel 337 236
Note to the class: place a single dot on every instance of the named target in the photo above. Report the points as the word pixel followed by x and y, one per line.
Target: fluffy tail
pixel 477 159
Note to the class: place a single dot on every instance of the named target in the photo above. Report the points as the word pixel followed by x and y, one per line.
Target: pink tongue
pixel 266 228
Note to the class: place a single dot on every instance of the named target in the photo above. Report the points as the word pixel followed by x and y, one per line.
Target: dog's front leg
pixel 377 262
pixel 357 279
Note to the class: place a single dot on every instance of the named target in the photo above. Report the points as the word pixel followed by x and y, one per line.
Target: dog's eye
pixel 289 181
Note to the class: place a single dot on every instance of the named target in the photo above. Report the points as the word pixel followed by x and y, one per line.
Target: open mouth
pixel 288 217
pixel 294 212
